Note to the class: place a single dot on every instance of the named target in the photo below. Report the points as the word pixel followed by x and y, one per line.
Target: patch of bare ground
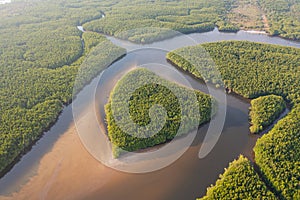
pixel 247 15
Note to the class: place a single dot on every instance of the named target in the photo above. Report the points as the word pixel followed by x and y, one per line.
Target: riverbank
pixel 27 149
pixel 236 95
pixel 197 174
pixel 80 86
pixel 53 167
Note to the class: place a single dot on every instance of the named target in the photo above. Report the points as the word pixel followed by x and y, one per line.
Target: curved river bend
pixel 58 167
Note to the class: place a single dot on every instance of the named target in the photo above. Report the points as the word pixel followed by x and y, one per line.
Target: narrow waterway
pixel 58 167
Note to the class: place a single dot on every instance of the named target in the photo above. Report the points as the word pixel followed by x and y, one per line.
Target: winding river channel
pixel 59 167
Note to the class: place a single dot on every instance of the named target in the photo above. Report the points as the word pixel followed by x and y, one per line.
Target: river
pixel 59 167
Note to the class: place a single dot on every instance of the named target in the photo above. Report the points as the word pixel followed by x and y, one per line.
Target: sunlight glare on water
pixel 5 1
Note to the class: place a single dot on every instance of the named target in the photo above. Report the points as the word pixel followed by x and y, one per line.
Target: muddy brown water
pixel 58 167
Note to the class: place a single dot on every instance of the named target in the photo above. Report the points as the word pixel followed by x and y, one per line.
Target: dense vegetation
pixel 276 17
pixel 253 70
pixel 247 68
pixel 264 111
pixel 41 51
pixel 148 21
pixel 239 181
pixel 43 89
pixel 165 94
pixel 283 17
pixel 278 155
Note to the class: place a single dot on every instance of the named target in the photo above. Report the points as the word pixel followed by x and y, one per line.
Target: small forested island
pixel 42 51
pixel 161 92
pixel 41 44
pixel 264 110
pixel 253 70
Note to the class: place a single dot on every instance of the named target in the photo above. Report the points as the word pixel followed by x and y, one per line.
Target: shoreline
pixel 256 32
pixel 49 128
pixel 284 113
pixel 250 31
pixel 52 166
pixel 239 96
pixel 27 149
pixel 256 136
pixel 158 146
pixel 245 99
